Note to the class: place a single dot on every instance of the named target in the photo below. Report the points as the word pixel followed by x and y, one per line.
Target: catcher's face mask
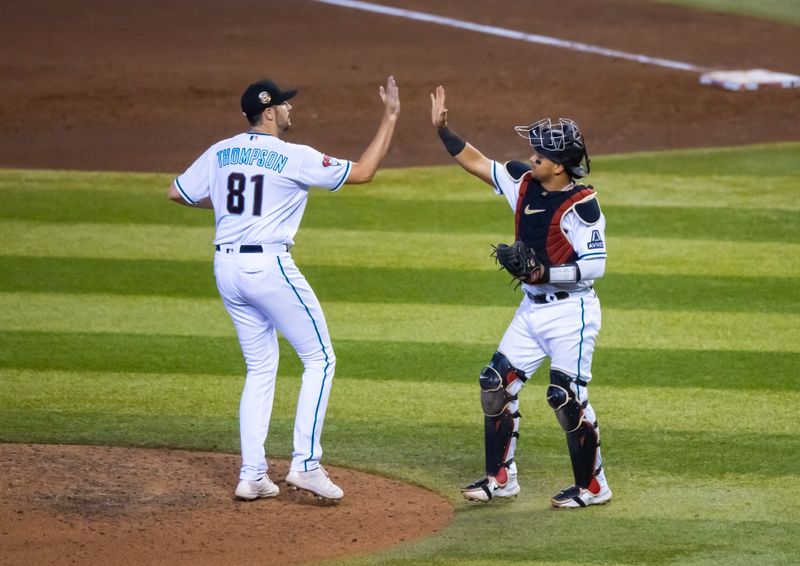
pixel 560 142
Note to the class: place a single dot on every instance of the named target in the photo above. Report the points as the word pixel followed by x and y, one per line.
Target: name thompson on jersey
pixel 258 186
pixel 267 159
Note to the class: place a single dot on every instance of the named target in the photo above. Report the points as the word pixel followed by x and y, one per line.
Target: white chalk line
pixel 512 34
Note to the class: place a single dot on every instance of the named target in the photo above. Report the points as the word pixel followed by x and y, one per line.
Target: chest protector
pixel 538 219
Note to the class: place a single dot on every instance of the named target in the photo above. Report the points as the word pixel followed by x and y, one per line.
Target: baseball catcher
pixel 557 253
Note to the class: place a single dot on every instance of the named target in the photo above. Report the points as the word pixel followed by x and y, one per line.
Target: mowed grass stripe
pixel 78 206
pixel 710 191
pixel 632 179
pixel 640 329
pixel 384 442
pixel 106 241
pixel 676 445
pixel 673 497
pixel 708 454
pixel 384 445
pixel 327 210
pixel 713 177
pixel 758 161
pixel 692 410
pixel 683 221
pixel 373 248
pixel 388 361
pixel 53 181
pixel 394 285
pixel 700 258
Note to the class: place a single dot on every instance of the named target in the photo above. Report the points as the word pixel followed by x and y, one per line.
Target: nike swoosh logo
pixel 529 210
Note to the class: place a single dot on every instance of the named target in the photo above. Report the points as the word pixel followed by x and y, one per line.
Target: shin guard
pixel 500 382
pixel 577 420
pixel 498 434
pixel 584 452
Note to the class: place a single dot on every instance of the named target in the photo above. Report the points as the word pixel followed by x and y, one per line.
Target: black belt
pixel 257 248
pixel 545 298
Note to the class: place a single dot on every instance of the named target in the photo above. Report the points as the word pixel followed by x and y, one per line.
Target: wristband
pixel 452 141
pixel 564 273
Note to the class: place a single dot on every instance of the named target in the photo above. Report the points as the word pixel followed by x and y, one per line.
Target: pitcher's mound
pixel 107 505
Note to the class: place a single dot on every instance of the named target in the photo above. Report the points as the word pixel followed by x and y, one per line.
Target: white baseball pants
pixel 265 292
pixel 565 331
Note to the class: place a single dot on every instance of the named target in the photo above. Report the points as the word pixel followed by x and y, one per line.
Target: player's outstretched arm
pixel 465 154
pixel 365 168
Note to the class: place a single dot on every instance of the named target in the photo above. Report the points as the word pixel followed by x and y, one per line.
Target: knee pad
pixel 562 399
pixel 495 379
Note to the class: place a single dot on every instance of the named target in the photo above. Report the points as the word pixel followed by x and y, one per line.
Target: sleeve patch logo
pixel 328 161
pixel 597 241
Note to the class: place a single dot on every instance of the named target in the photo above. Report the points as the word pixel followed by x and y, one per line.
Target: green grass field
pixel 111 332
pixel 784 11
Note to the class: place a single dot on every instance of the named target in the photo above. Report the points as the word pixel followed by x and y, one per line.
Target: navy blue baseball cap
pixel 261 95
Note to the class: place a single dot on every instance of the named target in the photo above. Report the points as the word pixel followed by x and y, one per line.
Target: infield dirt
pixel 147 86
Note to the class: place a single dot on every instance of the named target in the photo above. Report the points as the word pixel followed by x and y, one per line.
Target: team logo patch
pixel 597 241
pixel 264 97
pixel 328 161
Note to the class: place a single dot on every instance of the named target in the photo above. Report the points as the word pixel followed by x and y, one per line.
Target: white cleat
pixel 316 481
pixel 575 496
pixel 254 489
pixel 486 489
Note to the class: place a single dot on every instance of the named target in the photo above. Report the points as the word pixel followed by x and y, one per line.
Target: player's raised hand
pixel 391 97
pixel 438 108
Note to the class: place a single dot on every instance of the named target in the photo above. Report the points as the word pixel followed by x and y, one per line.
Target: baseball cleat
pixel 316 481
pixel 486 489
pixel 575 496
pixel 249 490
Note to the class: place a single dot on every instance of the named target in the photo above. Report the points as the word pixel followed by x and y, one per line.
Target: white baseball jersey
pixel 259 186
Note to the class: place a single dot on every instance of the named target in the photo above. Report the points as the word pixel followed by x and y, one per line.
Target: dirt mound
pixel 103 505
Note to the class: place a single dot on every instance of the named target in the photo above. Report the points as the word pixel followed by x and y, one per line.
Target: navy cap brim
pixel 287 94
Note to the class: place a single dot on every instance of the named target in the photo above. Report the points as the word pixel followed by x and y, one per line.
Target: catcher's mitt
pixel 519 260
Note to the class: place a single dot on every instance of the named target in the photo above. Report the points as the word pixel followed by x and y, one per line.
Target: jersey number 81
pixel 237 182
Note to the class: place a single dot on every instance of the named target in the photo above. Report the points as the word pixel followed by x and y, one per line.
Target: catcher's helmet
pixel 561 142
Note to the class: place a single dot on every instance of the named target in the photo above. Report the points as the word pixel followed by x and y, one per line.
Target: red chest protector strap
pixel 559 250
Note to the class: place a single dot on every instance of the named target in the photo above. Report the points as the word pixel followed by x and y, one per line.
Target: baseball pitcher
pixel 558 252
pixel 258 186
